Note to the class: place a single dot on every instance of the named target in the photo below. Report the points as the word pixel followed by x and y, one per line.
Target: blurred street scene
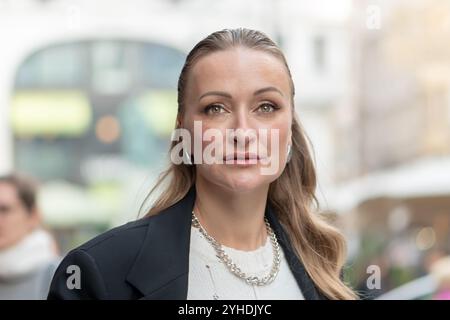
pixel 88 102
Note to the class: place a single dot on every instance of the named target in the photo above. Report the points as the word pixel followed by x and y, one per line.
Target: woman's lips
pixel 241 158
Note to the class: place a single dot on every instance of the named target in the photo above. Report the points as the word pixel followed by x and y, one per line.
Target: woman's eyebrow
pixel 227 95
pixel 267 89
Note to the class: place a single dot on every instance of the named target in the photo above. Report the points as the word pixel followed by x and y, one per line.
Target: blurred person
pixel 28 254
pixel 440 271
pixel 431 257
pixel 222 230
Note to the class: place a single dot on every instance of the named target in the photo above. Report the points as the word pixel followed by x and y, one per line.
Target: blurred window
pixel 79 104
pixel 54 67
pixel 161 66
pixel 319 53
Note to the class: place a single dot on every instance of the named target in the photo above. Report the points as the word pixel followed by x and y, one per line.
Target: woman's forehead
pixel 238 68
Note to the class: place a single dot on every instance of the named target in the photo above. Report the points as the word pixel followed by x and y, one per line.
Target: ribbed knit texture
pixel 209 277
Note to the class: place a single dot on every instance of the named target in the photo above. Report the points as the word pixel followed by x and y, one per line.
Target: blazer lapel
pixel 161 268
pixel 304 281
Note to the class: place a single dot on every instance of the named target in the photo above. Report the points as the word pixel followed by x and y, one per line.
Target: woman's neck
pixel 234 219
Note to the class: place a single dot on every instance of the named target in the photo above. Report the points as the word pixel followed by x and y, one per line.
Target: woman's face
pixel 16 221
pixel 248 91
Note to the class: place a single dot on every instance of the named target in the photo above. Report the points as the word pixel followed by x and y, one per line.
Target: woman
pixel 28 253
pixel 228 224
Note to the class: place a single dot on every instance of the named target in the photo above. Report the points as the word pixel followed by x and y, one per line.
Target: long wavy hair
pixel 320 246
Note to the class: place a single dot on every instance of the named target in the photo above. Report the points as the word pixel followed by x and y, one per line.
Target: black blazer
pixel 149 259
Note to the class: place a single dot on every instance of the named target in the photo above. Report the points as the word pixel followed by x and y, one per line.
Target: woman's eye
pixel 214 109
pixel 267 107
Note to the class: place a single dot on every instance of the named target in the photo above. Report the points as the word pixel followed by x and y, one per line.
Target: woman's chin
pixel 245 183
pixel 243 180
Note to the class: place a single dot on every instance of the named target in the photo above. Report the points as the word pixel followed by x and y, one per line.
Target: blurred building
pixel 88 102
pixel 88 92
pixel 398 135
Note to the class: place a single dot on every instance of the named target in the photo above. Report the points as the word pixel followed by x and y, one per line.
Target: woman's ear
pixel 290 136
pixel 178 123
pixel 289 146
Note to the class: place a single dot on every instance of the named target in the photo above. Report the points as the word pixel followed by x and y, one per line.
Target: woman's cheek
pixel 277 147
pixel 212 143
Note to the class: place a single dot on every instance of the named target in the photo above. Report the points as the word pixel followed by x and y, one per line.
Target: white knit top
pixel 210 279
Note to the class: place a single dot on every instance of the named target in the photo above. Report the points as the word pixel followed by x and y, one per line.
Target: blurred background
pixel 88 103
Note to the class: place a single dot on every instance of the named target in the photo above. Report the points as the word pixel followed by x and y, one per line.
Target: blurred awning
pixel 423 177
pixel 413 290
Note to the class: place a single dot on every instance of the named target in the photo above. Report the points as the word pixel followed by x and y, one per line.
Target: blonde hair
pixel 317 244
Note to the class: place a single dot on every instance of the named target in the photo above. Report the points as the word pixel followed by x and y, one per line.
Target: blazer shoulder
pixel 127 238
pixel 129 234
pixel 103 263
pixel 117 262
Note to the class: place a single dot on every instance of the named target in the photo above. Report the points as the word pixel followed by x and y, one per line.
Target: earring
pixel 289 153
pixel 187 158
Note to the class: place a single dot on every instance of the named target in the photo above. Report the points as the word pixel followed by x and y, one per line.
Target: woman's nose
pixel 244 131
